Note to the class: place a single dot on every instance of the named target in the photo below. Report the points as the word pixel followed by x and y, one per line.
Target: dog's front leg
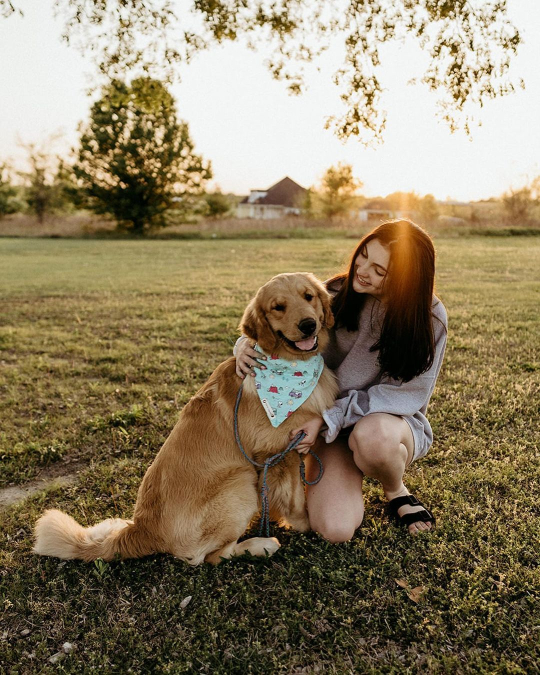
pixel 287 496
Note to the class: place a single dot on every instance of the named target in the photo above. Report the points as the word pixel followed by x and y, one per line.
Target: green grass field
pixel 103 342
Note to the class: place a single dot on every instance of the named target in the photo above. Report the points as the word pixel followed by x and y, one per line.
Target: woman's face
pixel 370 268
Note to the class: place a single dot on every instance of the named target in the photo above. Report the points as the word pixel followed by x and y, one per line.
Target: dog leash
pixel 269 463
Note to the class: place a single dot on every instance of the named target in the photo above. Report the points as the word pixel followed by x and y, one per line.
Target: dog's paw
pixel 262 546
pixel 298 523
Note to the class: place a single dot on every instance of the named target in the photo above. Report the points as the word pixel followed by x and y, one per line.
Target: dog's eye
pixel 308 297
pixel 279 308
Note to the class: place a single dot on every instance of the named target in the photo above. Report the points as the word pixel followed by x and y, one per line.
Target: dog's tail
pixel 60 536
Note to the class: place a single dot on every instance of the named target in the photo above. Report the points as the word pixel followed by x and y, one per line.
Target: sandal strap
pixel 410 518
pixel 398 502
pixel 424 515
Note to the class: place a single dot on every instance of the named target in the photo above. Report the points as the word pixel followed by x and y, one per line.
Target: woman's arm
pixel 246 357
pixel 311 428
pixel 389 396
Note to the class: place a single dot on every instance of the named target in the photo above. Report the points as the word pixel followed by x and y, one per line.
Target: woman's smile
pixel 370 267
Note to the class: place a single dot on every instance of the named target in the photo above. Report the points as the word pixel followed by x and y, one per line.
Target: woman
pixel 386 350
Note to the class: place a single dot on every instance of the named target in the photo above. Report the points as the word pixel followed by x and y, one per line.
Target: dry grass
pixel 73 225
pixel 83 224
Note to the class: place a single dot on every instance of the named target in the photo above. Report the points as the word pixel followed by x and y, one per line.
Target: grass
pixel 102 343
pixel 83 224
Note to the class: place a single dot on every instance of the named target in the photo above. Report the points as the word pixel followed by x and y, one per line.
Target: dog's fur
pixel 200 494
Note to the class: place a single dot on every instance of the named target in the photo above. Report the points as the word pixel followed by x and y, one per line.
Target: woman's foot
pixel 407 510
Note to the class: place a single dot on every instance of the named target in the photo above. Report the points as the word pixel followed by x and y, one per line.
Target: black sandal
pixel 407 519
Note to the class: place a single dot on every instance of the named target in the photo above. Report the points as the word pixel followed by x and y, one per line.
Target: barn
pixel 282 199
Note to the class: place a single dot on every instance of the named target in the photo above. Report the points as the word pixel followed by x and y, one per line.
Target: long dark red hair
pixel 406 344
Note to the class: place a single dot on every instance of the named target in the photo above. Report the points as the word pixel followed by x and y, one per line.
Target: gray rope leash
pixel 269 463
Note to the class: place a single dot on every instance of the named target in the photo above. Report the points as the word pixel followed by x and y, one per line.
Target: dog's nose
pixel 307 326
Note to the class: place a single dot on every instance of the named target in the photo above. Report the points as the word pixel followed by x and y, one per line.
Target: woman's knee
pixel 375 446
pixel 336 531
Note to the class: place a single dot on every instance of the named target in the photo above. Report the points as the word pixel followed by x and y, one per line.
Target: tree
pixel 403 201
pixel 518 206
pixel 309 203
pixel 67 194
pixel 470 43
pixel 428 210
pixel 217 204
pixel 42 192
pixel 136 157
pixel 338 190
pixel 8 193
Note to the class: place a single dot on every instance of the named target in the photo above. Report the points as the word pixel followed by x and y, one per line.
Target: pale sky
pixel 254 133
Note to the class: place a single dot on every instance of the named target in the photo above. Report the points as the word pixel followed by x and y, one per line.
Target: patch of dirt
pixel 60 474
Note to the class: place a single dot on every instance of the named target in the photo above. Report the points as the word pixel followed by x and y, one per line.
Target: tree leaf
pixel 415 594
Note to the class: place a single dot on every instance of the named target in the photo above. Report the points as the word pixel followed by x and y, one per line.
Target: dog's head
pixel 289 316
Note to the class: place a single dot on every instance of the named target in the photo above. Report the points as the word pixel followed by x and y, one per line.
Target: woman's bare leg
pixel 383 447
pixel 335 505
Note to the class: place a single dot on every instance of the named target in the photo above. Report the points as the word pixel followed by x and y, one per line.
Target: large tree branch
pixel 470 42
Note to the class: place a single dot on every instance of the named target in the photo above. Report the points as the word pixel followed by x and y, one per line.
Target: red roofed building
pixel 282 199
pixel 378 210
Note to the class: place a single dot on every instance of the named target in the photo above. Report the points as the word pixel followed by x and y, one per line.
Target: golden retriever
pixel 200 494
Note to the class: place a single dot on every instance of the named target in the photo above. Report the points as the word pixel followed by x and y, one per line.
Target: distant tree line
pixel 337 197
pixel 50 185
pixel 136 163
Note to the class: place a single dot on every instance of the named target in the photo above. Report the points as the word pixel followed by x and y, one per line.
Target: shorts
pixel 422 437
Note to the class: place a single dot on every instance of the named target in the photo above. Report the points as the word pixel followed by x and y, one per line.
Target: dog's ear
pixel 248 324
pixel 327 308
pixel 326 301
pixel 256 327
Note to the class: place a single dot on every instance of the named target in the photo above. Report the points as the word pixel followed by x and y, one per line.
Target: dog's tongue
pixel 306 345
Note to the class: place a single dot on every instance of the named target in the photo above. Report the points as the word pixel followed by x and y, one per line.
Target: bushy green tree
pixel 217 204
pixel 135 156
pixel 338 192
pixel 470 44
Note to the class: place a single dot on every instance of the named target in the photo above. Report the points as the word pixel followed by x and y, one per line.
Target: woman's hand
pixel 311 428
pixel 246 359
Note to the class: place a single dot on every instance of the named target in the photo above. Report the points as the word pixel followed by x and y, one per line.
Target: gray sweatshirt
pixel 362 390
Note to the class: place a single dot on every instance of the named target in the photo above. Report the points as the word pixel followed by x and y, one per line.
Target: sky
pixel 255 133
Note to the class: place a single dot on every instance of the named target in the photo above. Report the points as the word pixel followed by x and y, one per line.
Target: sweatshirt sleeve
pixel 242 337
pixel 389 396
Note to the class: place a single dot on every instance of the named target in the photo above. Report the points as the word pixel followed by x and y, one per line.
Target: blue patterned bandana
pixel 285 385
